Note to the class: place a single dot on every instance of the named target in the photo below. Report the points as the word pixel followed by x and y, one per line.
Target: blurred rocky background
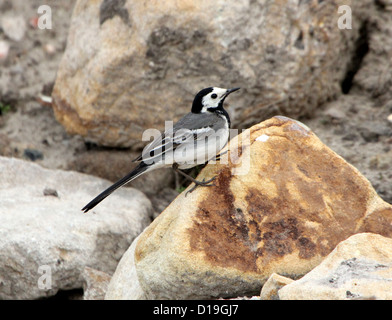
pixel 113 68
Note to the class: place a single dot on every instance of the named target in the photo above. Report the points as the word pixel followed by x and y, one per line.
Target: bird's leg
pixel 217 157
pixel 177 180
pixel 196 182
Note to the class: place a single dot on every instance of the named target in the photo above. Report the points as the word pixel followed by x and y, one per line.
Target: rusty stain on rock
pixel 222 231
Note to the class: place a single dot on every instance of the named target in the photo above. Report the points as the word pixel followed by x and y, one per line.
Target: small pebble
pixel 390 118
pixel 14 27
pixel 4 49
pixel 33 154
pixel 369 136
pixel 33 22
pixel 50 49
pixel 50 192
pixel 335 113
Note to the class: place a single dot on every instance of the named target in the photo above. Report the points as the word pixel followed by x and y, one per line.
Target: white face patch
pixel 212 99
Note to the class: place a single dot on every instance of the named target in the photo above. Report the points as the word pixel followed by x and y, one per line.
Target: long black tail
pixel 140 169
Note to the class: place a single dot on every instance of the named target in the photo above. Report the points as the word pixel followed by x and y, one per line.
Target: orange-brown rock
pixel 285 214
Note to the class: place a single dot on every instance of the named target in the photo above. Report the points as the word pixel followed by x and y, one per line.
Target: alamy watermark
pixel 45 280
pixel 345 18
pixel 45 18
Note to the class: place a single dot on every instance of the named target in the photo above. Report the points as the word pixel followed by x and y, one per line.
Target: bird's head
pixel 209 99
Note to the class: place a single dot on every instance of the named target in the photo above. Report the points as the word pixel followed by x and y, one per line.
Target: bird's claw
pixel 202 183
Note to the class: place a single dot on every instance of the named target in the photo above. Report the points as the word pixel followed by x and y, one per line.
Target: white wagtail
pixel 195 139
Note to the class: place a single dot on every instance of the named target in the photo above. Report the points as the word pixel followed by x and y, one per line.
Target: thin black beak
pixel 231 90
pixel 228 91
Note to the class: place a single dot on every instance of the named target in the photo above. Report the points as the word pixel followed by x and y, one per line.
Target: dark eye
pixel 214 96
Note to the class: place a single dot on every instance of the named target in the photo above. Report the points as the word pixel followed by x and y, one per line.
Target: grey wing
pixel 156 149
pixel 201 120
pixel 190 128
pixel 195 127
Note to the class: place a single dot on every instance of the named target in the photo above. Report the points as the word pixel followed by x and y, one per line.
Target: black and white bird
pixel 195 139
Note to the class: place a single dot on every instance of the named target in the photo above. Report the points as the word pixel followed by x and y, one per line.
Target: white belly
pixel 189 156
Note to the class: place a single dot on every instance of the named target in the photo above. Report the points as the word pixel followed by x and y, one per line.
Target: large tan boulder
pixel 284 213
pixel 131 65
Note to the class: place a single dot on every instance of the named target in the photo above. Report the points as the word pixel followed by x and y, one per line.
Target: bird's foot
pixel 202 183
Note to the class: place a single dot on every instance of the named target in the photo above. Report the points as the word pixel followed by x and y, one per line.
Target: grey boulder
pixel 45 239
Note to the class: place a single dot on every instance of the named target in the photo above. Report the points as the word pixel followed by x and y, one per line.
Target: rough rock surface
pixel 44 233
pixel 124 284
pixel 283 213
pixel 358 268
pixel 274 283
pixel 95 284
pixel 142 62
pixel 344 126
